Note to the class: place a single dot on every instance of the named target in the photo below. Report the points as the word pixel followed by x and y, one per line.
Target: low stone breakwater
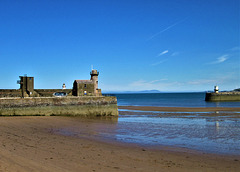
pixel 68 106
pixel 223 96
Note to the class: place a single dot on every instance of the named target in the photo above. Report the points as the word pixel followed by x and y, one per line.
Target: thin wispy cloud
pixel 154 81
pixel 218 79
pixel 220 59
pixel 202 81
pixel 157 63
pixel 162 53
pixel 161 84
pixel 162 61
pixel 237 48
pixel 175 54
pixel 167 28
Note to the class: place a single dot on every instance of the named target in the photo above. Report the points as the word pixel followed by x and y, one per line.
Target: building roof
pixel 84 81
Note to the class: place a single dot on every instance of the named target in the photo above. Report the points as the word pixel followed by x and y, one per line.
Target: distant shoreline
pixel 181 109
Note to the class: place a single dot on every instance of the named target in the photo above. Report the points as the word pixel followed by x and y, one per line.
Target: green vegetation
pixel 238 89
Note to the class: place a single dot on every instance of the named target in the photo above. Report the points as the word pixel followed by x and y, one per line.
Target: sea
pixel 170 100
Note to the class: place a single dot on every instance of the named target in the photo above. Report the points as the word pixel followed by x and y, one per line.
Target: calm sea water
pixel 170 100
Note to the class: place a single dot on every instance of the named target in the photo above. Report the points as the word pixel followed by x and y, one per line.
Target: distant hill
pixel 149 91
pixel 238 89
pixel 134 92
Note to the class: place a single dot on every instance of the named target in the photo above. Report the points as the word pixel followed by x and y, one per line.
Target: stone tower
pixel 94 77
pixel 26 85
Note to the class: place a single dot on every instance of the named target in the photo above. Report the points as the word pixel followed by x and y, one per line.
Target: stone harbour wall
pixel 49 92
pixel 10 93
pixel 69 106
pixel 223 96
pixel 36 93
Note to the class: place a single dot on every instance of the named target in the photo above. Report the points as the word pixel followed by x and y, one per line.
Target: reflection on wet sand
pixel 89 127
pixel 217 126
pixel 208 132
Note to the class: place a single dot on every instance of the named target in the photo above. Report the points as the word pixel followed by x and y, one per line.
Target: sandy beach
pixel 181 109
pixel 34 144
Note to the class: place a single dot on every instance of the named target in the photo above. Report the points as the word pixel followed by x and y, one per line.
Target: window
pixel 85 85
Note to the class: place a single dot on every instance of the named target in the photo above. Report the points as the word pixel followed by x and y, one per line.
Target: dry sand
pixel 30 144
pixel 181 109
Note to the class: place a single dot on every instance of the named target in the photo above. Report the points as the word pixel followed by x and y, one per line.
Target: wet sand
pixel 181 109
pixel 33 144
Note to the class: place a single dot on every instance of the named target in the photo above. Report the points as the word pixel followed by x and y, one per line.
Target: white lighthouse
pixel 216 89
pixel 63 86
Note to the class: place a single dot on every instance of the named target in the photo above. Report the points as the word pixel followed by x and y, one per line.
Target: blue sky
pixel 175 45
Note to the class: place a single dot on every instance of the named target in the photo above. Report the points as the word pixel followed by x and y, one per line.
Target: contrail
pixel 169 27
